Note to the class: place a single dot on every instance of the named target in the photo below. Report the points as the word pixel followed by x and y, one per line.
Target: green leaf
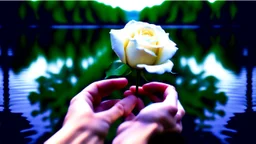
pixel 118 68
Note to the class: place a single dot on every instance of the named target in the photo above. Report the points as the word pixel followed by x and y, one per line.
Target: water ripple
pixel 235 90
pixel 1 91
pixel 19 89
pixel 254 88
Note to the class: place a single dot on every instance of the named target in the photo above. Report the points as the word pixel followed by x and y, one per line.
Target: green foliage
pixel 22 11
pixel 56 89
pixel 118 68
pixel 34 5
pixel 86 12
pixel 216 8
pixel 58 15
pixel 190 11
pixel 89 16
pixel 198 44
pixel 49 5
pixel 76 16
pixel 69 5
pixel 233 10
pixel 186 11
pixel 91 54
pixel 172 11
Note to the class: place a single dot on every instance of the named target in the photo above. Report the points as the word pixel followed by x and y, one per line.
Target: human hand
pixel 163 116
pixel 88 119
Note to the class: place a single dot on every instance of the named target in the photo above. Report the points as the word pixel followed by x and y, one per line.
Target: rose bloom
pixel 143 45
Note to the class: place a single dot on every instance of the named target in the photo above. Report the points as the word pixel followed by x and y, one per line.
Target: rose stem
pixel 137 82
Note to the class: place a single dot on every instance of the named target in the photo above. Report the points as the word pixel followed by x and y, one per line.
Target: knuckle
pixel 119 107
pixel 119 130
pixel 172 87
pixel 182 112
pixel 172 110
pixel 167 109
pixel 162 118
pixel 73 100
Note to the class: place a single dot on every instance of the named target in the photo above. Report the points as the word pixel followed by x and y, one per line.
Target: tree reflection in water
pixel 84 56
pixel 75 58
pixel 14 127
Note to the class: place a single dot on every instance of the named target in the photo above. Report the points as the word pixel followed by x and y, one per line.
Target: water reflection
pixel 8 118
pixel 60 59
pixel 16 119
pixel 235 90
pixel 1 90
pixel 254 88
pixel 243 129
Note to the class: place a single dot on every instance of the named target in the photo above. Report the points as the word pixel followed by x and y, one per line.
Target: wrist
pixel 146 130
pixel 64 135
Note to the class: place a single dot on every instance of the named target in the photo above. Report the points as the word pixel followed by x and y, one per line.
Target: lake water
pixel 77 57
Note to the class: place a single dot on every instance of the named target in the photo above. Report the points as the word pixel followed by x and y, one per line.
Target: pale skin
pixel 88 119
pixel 163 116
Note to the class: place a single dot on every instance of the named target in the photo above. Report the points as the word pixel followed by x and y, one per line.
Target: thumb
pixel 122 108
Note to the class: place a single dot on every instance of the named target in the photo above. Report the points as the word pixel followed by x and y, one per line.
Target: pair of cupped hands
pixel 89 118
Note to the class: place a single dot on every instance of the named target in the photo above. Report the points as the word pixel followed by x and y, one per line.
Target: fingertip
pixel 121 78
pixel 147 93
pixel 182 112
pixel 129 103
pixel 140 90
pixel 171 96
pixel 127 93
pixel 123 81
pixel 155 86
pixel 133 88
pixel 148 87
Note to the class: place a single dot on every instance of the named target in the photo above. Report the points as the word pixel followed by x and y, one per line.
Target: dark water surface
pixel 25 58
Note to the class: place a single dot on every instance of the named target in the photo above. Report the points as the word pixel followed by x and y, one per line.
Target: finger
pixel 140 104
pixel 124 126
pixel 131 116
pixel 128 93
pixel 105 105
pixel 123 108
pixel 180 113
pixel 95 91
pixel 169 93
pixel 165 116
pixel 141 91
pixel 181 109
pixel 155 87
pixel 176 129
pixel 170 96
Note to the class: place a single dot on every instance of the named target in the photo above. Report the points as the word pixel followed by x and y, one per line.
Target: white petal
pixel 135 25
pixel 159 69
pixel 130 23
pixel 159 30
pixel 166 52
pixel 119 40
pixel 139 55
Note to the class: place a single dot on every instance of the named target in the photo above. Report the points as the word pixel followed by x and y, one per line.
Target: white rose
pixel 144 45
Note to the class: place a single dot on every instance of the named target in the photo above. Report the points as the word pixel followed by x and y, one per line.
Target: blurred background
pixel 50 50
